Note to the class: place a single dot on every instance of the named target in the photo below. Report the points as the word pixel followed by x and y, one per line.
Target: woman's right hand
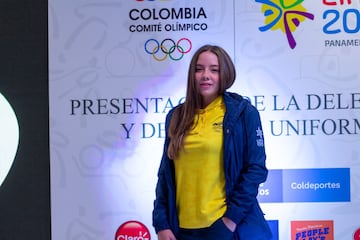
pixel 166 234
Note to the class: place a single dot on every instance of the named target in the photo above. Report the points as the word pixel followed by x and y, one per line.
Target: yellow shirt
pixel 199 170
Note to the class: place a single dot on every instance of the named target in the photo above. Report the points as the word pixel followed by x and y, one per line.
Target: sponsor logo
pixel 274 228
pixel 341 23
pixel 284 16
pixel 309 230
pixel 357 234
pixel 339 20
pixel 168 48
pixel 132 230
pixel 9 137
pixel 306 185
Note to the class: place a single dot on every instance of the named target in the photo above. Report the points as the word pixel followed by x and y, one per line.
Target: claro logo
pixel 9 137
pixel 132 230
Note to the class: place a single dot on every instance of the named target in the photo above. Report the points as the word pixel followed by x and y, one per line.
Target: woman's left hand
pixel 229 224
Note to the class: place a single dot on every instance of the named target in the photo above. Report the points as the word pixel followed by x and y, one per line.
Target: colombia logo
pixel 284 16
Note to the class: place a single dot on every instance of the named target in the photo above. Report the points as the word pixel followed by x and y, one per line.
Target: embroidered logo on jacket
pixel 260 139
pixel 217 126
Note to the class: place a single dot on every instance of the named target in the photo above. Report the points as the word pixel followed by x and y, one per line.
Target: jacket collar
pixel 235 105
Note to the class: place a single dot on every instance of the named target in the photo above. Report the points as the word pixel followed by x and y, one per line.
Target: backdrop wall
pixel 111 85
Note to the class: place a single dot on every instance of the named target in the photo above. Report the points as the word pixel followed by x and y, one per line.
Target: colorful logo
pixel 168 48
pixel 284 16
pixel 9 137
pixel 357 234
pixel 308 230
pixel 132 230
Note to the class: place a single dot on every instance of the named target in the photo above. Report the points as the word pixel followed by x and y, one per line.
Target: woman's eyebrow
pixel 201 65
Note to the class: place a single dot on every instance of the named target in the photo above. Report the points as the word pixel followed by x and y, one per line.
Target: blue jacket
pixel 244 166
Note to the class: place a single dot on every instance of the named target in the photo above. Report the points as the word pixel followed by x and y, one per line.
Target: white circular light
pixel 9 137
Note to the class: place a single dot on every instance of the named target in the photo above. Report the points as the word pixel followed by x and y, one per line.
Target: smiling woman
pixel 9 137
pixel 213 159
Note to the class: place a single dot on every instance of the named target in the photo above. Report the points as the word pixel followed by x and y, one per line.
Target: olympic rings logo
pixel 168 47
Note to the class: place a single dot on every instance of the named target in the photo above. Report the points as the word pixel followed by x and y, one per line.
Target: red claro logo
pixel 357 235
pixel 132 230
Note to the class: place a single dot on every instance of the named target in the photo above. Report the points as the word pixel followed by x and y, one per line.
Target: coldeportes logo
pixel 9 137
pixel 168 47
pixel 286 17
pixel 132 230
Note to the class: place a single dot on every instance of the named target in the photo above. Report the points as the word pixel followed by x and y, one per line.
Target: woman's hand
pixel 229 224
pixel 166 234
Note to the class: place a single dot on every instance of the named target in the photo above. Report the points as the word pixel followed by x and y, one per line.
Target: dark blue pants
pixel 217 231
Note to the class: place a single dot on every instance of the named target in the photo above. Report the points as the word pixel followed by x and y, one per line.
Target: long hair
pixel 183 116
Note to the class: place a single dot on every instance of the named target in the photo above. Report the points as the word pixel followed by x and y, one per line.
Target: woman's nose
pixel 206 73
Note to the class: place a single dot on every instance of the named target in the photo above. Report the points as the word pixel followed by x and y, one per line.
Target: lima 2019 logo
pixel 286 17
pixel 9 137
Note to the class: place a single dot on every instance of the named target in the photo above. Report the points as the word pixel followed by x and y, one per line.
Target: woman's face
pixel 207 77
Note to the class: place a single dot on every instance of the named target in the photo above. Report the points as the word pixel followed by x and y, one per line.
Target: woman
pixel 213 159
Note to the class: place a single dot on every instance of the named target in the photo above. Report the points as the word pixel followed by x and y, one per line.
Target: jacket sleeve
pixel 161 206
pixel 249 169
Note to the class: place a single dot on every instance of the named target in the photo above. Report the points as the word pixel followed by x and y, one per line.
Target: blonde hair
pixel 183 116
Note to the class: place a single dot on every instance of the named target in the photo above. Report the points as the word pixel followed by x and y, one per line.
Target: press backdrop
pixel 117 67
